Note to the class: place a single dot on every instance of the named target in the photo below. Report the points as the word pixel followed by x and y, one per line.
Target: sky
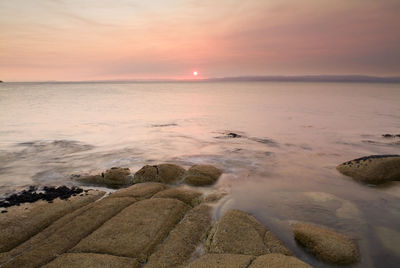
pixel 73 40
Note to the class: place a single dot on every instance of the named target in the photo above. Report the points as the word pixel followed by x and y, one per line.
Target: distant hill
pixel 312 78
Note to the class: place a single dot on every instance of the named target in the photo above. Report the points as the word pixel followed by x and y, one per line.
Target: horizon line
pixel 250 78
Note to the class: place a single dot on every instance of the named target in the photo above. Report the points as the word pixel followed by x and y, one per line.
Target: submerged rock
pixel 373 169
pixel 326 244
pixel 389 238
pixel 165 173
pixel 201 175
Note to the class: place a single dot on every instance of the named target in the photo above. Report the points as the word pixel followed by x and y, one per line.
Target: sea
pixel 278 144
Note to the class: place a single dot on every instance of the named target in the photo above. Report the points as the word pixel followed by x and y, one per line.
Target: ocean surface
pixel 281 169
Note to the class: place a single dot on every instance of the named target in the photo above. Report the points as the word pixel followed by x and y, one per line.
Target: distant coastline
pixel 294 78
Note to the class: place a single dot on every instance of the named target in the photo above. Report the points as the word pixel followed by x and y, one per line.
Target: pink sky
pixel 128 39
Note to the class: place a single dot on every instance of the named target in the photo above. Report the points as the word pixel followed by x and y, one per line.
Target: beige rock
pixel 275 245
pixel 373 169
pixel 275 260
pixel 214 197
pixel 24 221
pixel 117 176
pixel 135 231
pixel 140 190
pixel 165 173
pixel 237 233
pixel 91 260
pixel 201 175
pixel 169 173
pixel 70 233
pixel 222 261
pixel 190 197
pixel 89 179
pixel 389 238
pixel 182 241
pixel 326 244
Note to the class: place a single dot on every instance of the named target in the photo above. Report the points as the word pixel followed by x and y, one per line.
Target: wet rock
pixel 91 260
pixel 214 197
pixel 201 175
pixel 389 238
pixel 165 173
pixel 24 221
pixel 278 261
pixel 117 176
pixel 391 135
pixel 69 232
pixel 373 169
pixel 182 241
pixel 140 191
pixel 237 233
pixel 114 177
pixel 275 245
pixel 190 197
pixel 222 261
pixel 326 244
pixel 136 231
pixel 34 194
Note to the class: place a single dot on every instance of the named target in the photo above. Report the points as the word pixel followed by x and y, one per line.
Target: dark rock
pixel 33 194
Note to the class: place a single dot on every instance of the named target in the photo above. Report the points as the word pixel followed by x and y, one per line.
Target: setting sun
pixel 195 73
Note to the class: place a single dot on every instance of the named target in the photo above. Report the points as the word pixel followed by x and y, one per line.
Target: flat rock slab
pixel 278 261
pixel 140 191
pixel 135 231
pixel 187 196
pixel 70 233
pixel 373 169
pixel 182 241
pixel 237 233
pixel 165 173
pixel 326 244
pixel 24 221
pixel 202 175
pixel 91 260
pixel 222 261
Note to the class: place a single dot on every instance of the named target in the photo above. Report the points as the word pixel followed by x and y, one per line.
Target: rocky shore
pixel 160 219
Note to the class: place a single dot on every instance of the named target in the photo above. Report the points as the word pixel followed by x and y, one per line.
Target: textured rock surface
pixel 165 173
pixel 22 222
pixel 135 231
pixel 140 191
pixel 187 196
pixel 275 245
pixel 278 261
pixel 373 169
pixel 222 261
pixel 117 176
pixel 237 233
pixel 326 244
pixel 70 233
pixel 91 260
pixel 182 241
pixel 201 175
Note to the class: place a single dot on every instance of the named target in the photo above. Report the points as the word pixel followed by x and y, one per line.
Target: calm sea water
pixel 282 169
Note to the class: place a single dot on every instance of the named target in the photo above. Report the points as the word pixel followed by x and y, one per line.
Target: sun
pixel 195 73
